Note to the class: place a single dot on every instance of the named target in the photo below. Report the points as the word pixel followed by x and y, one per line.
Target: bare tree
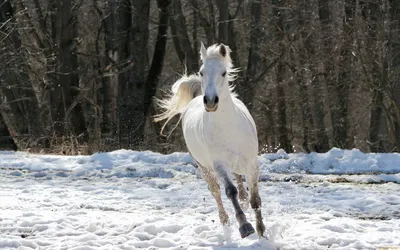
pixel 79 76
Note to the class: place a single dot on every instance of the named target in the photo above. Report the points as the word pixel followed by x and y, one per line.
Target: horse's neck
pixel 226 104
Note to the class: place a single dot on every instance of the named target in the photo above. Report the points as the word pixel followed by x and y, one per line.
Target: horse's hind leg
pixel 255 201
pixel 243 196
pixel 245 228
pixel 213 186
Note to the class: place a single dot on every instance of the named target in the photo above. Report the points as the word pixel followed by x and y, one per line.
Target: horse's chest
pixel 227 140
pixel 212 139
pixel 228 134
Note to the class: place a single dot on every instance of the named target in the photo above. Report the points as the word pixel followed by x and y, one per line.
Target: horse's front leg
pixel 214 188
pixel 255 201
pixel 243 196
pixel 245 228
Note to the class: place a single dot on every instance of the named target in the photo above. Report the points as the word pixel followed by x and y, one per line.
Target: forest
pixel 81 76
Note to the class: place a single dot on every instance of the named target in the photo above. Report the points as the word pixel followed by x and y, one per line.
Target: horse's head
pixel 216 72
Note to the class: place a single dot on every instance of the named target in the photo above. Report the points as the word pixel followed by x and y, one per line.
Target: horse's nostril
pixel 210 101
pixel 205 100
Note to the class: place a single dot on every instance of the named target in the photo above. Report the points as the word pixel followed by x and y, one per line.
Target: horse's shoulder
pixel 192 109
pixel 239 103
pixel 245 112
pixel 194 104
pixel 242 107
pixel 198 100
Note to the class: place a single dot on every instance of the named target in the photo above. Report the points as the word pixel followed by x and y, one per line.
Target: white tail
pixel 182 92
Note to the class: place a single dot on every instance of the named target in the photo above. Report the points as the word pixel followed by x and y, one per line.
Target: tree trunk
pixel 375 121
pixel 19 106
pixel 126 38
pixel 65 89
pixel 306 118
pixel 321 143
pixel 371 19
pixel 132 28
pixel 110 124
pixel 6 141
pixel 281 103
pixel 158 57
pixel 394 51
pixel 137 75
pixel 195 34
pixel 181 39
pixel 223 21
pixel 328 60
pixel 248 86
pixel 283 137
pixel 340 119
pixel 318 85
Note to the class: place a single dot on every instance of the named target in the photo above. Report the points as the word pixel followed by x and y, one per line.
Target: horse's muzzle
pixel 211 109
pixel 210 104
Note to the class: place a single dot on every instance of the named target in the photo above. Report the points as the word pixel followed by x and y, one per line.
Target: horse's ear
pixel 222 50
pixel 203 51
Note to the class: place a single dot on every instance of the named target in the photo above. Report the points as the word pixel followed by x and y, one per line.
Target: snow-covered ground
pixel 343 199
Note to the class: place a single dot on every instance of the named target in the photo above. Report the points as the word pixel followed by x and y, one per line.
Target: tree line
pixel 80 76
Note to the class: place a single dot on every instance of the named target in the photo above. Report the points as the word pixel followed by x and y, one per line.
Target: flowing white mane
pixel 182 92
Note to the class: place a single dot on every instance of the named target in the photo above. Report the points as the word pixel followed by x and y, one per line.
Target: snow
pixel 342 199
pixel 335 161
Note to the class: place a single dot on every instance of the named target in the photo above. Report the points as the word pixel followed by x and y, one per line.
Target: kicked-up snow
pixel 343 199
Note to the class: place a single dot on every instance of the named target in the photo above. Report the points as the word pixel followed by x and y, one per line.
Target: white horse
pixel 219 132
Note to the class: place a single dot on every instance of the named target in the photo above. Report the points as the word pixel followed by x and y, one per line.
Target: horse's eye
pixel 224 74
pixel 201 73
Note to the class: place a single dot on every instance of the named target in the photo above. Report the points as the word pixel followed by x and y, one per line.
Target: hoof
pixel 246 229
